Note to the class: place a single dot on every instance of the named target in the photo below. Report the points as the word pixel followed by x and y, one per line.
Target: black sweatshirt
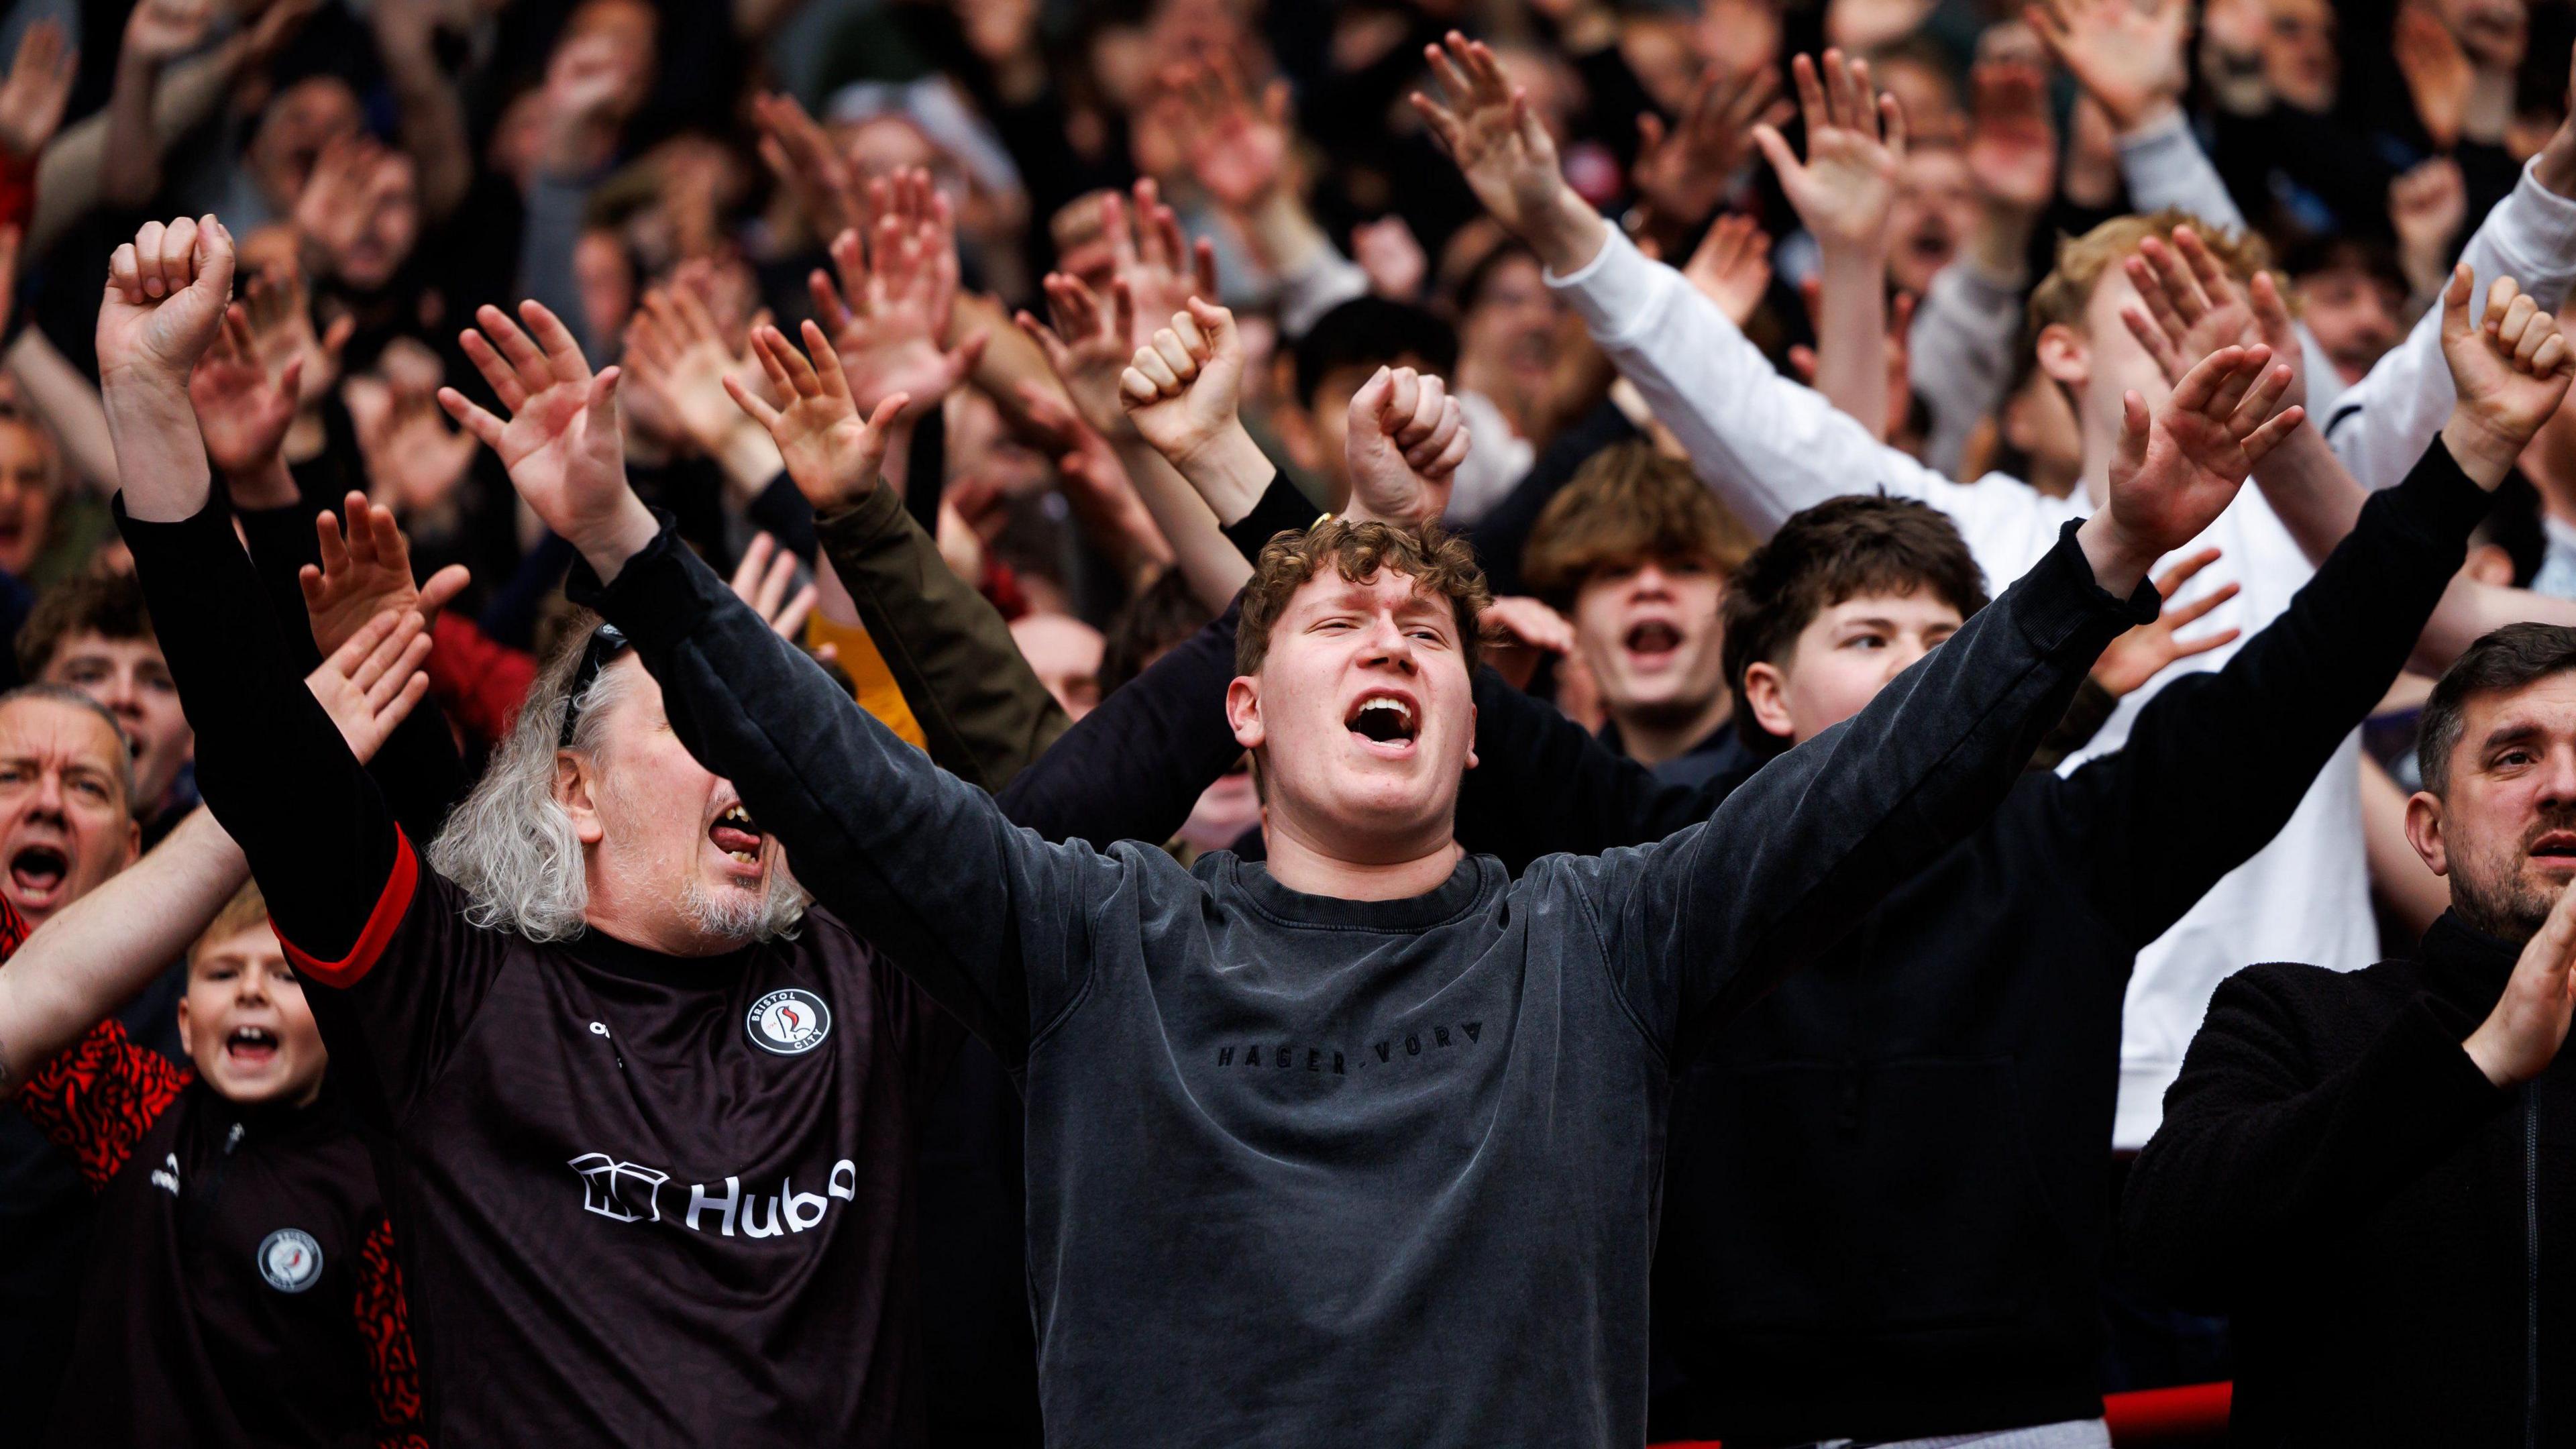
pixel 641 1200
pixel 2385 1228
pixel 1307 1167
pixel 1886 1198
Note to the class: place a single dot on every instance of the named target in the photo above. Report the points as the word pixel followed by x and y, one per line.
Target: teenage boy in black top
pixel 2371 1173
pixel 1361 1142
pixel 653 1151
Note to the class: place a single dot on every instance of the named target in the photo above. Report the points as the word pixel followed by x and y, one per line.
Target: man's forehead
pixel 92 643
pixel 1915 606
pixel 2544 708
pixel 1384 588
pixel 57 727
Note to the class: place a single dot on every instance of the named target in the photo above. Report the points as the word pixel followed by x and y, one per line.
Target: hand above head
pixel 371 683
pixel 1406 440
pixel 1486 125
pixel 2522 1035
pixel 2128 57
pixel 39 84
pixel 832 455
pixel 889 317
pixel 2190 306
pixel 167 293
pixel 242 408
pixel 2509 367
pixel 1089 345
pixel 2178 468
pixel 803 158
pixel 1732 267
pixel 766 579
pixel 1855 145
pixel 366 573
pixel 1237 145
pixel 2012 143
pixel 416 464
pixel 158 31
pixel 1684 173
pixel 1183 389
pixel 562 445
pixel 2143 652
pixel 1159 268
pixel 679 354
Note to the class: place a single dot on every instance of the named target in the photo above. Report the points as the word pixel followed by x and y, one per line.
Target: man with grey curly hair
pixel 657 1145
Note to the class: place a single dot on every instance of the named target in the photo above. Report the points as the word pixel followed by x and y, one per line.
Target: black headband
pixel 605 644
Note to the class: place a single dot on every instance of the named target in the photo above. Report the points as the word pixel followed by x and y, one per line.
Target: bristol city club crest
pixel 290 1260
pixel 788 1023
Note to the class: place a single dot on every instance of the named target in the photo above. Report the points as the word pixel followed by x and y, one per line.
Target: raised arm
pixel 2217 762
pixel 96 953
pixel 2379 425
pixel 276 772
pixel 1843 192
pixel 1710 919
pixel 983 712
pixel 1769 446
pixel 985 916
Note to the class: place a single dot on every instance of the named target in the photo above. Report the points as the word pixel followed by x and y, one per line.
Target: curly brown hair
pixel 1437 563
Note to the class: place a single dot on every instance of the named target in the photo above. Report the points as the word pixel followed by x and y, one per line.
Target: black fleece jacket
pixel 1886 1198
pixel 2386 1229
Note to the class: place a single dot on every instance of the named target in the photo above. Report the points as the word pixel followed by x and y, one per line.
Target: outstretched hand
pixel 2143 652
pixel 371 682
pixel 766 580
pixel 1503 149
pixel 2189 306
pixel 889 317
pixel 562 445
pixel 1406 440
pixel 832 454
pixel 243 410
pixel 1846 187
pixel 2177 468
pixel 366 573
pixel 2510 369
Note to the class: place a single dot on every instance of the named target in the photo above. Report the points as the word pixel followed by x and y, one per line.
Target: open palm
pixel 561 444
pixel 1486 124
pixel 832 454
pixel 1855 146
pixel 1088 345
pixel 2178 468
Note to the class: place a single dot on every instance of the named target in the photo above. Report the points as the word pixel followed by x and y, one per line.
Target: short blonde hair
pixel 247 910
pixel 2063 294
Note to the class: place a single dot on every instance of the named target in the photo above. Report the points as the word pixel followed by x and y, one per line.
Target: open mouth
pixel 1654 639
pixel 2556 845
pixel 1384 719
pixel 38 871
pixel 1931 245
pixel 736 835
pixel 250 1046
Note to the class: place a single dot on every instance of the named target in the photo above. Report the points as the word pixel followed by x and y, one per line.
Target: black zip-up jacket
pixel 2385 1228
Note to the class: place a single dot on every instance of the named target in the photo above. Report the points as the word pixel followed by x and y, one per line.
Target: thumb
pixel 603 401
pixel 1369 402
pixel 1218 323
pixel 2134 425
pixel 2455 303
pixel 214 259
pixel 1775 149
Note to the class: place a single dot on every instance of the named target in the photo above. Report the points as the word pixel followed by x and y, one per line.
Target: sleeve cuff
pixel 2065 569
pixel 877 513
pixel 1614 291
pixel 1282 509
pixel 2439 500
pixel 653 599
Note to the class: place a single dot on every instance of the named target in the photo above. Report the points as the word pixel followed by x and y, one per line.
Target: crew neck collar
pixel 1439 905
pixel 596 948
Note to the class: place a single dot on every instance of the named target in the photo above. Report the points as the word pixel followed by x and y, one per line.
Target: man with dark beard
pixel 2369 1172
pixel 654 1149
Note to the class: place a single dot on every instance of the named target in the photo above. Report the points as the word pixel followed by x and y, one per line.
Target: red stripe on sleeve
pixel 99 1097
pixel 349 970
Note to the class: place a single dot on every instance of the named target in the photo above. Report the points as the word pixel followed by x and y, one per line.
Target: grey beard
pixel 743 917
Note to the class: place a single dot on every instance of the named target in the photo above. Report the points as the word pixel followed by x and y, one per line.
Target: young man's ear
pixel 1766 693
pixel 2424 831
pixel 1243 712
pixel 574 792
pixel 2066 355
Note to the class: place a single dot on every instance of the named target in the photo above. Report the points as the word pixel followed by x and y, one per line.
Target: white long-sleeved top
pixel 1770 447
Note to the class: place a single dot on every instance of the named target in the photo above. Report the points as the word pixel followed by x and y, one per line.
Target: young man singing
pixel 1362 1142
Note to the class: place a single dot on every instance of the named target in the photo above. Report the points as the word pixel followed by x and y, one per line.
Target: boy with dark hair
pixel 93 633
pixel 1335 358
pixel 2368 1172
pixel 1637 554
